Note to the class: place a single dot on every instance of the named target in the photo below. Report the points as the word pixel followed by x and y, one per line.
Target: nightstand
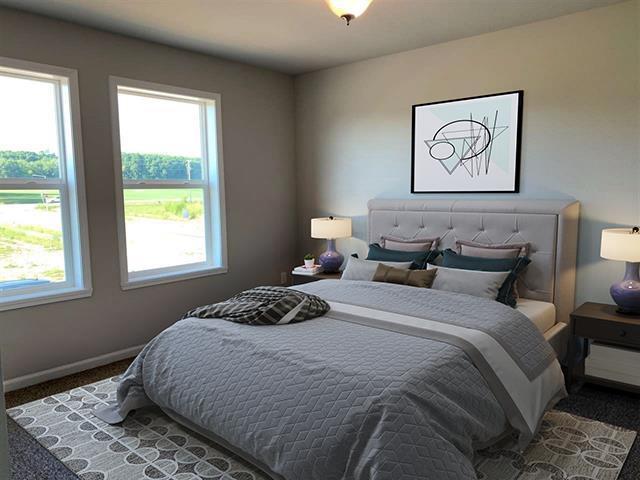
pixel 299 279
pixel 600 323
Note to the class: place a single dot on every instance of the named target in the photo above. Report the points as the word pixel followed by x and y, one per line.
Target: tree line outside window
pixel 135 166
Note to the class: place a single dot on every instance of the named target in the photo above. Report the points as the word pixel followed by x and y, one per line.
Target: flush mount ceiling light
pixel 348 9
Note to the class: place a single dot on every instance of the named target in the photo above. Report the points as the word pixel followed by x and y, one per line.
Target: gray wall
pixel 4 444
pixel 257 121
pixel 581 77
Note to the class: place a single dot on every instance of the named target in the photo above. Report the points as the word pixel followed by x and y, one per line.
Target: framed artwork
pixel 467 145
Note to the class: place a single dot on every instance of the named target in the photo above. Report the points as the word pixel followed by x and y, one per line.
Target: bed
pixel 395 382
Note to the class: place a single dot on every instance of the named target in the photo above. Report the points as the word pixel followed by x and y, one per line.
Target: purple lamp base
pixel 331 260
pixel 627 292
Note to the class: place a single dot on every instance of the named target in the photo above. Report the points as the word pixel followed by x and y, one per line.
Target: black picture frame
pixel 516 189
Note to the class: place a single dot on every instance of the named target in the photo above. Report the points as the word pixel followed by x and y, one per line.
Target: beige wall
pixel 580 75
pixel 257 121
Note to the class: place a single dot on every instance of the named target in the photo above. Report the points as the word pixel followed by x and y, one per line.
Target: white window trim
pixel 72 189
pixel 214 184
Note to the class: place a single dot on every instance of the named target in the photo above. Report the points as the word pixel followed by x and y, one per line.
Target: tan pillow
pixel 408 244
pixel 415 278
pixel 505 250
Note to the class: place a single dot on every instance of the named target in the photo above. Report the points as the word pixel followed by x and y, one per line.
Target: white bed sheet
pixel 542 314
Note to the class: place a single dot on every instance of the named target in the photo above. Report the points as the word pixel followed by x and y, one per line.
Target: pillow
pixel 471 282
pixel 515 266
pixel 415 278
pixel 419 259
pixel 511 250
pixel 505 250
pixel 265 306
pixel 408 244
pixel 358 269
pixel 454 260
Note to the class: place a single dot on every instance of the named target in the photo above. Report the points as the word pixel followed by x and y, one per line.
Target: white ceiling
pixel 297 36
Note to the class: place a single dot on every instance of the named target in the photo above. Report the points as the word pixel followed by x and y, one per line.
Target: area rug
pixel 149 445
pixel 568 447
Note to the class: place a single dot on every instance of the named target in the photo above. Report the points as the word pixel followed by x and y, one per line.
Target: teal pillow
pixel 419 259
pixel 515 266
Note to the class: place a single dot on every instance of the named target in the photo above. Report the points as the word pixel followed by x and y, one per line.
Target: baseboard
pixel 69 369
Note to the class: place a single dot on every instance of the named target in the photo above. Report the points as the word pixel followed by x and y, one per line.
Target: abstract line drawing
pixel 467 145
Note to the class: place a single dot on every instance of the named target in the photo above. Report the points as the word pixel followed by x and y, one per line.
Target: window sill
pixel 40 298
pixel 161 278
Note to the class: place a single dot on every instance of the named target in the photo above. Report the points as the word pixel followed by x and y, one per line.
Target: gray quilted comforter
pixel 329 399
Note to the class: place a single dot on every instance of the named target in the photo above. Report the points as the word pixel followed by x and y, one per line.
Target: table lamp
pixel 624 244
pixel 331 228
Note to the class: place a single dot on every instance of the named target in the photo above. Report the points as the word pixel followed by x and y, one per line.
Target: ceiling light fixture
pixel 348 9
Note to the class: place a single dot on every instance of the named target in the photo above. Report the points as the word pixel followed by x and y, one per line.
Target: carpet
pixel 149 445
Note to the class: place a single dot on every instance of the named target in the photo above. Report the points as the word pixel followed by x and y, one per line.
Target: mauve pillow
pixel 504 250
pixel 408 244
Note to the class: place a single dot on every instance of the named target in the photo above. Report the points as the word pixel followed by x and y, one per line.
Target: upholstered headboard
pixel 549 226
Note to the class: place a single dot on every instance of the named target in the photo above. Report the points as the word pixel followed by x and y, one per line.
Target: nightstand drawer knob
pixel 623 333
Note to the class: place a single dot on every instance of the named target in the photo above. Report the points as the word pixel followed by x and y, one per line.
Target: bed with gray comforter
pixel 393 383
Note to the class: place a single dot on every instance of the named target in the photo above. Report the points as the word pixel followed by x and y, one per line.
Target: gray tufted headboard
pixel 550 226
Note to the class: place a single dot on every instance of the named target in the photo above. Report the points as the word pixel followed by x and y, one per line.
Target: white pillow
pixel 471 282
pixel 358 269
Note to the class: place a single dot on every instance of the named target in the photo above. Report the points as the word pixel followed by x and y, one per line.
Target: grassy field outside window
pixel 31 232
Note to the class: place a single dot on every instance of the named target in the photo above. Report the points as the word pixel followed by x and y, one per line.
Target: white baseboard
pixel 69 369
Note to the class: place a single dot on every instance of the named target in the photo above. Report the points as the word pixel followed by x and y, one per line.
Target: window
pixel 167 143
pixel 43 238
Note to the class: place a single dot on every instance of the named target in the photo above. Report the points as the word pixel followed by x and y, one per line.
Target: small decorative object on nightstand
pixel 309 261
pixel 331 228
pixel 624 244
pixel 615 335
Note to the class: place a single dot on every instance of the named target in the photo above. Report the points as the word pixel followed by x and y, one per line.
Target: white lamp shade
pixel 620 244
pixel 330 227
pixel 348 7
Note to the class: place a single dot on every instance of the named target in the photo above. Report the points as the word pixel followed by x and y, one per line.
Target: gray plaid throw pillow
pixel 265 306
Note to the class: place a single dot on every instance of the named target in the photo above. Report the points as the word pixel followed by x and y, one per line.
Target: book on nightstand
pixel 302 270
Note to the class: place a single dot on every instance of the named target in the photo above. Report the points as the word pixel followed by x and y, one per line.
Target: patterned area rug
pixel 567 447
pixel 149 445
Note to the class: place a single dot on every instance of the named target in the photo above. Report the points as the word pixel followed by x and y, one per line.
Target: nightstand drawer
pixel 620 333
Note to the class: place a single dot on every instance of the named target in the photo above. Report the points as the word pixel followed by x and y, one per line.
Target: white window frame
pixel 75 238
pixel 212 184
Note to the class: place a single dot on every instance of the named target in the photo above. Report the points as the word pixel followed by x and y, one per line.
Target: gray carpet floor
pixel 30 461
